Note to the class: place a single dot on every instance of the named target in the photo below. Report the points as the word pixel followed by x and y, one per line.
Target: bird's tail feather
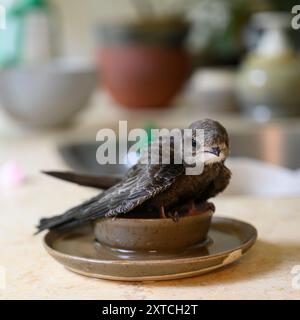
pixel 101 182
pixel 67 220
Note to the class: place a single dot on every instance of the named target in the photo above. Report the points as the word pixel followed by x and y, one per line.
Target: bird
pixel 162 189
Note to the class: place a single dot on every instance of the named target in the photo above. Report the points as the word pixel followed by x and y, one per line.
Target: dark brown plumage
pixel 103 182
pixel 153 187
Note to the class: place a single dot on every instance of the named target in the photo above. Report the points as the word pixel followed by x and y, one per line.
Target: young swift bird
pixel 159 188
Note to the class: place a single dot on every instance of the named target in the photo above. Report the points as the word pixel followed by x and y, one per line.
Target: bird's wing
pixel 141 183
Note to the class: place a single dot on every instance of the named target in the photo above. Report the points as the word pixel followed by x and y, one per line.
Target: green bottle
pixel 9 36
pixel 29 37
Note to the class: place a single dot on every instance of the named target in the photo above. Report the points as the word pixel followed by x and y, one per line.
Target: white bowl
pixel 48 95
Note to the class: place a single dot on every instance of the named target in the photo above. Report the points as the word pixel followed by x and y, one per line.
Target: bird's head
pixel 215 146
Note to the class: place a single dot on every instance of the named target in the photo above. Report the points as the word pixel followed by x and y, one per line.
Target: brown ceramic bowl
pixel 153 234
pixel 144 64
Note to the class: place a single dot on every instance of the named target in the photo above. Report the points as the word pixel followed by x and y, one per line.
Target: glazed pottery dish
pixel 78 251
pixel 153 234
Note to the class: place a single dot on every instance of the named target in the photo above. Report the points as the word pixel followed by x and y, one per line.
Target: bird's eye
pixel 216 151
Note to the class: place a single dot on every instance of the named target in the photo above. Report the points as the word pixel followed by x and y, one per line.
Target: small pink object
pixel 11 175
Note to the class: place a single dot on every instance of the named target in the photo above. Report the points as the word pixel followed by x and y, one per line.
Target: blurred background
pixel 71 67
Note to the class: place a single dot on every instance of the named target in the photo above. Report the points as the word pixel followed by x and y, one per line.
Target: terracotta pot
pixel 143 76
pixel 144 64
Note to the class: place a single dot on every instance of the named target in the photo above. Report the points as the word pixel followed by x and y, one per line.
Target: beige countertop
pixel 265 272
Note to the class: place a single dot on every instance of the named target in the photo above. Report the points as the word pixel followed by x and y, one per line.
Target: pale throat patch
pixel 209 158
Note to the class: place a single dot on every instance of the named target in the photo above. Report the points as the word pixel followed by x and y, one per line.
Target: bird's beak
pixel 215 151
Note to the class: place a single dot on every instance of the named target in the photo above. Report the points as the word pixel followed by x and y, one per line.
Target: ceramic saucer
pixel 77 250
